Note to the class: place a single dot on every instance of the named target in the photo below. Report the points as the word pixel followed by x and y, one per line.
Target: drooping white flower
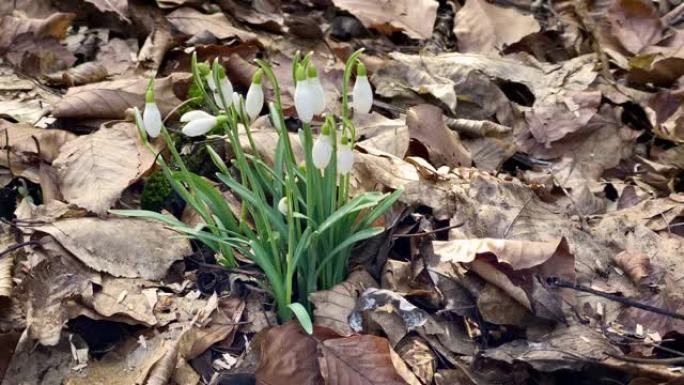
pixel 282 205
pixel 362 94
pixel 304 97
pixel 322 149
pixel 151 116
pixel 223 90
pixel 345 157
pixel 237 102
pixel 200 122
pixel 254 101
pixel 317 89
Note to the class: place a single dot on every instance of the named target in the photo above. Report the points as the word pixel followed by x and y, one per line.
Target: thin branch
pixel 17 246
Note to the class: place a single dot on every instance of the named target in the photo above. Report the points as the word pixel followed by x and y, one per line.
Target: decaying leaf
pixel 54 27
pixel 635 23
pixel 119 7
pixel 426 128
pixel 192 22
pixel 122 247
pixel 418 357
pixel 487 28
pixel 416 18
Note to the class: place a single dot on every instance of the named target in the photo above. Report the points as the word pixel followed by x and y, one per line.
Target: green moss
pixel 157 189
pixel 193 92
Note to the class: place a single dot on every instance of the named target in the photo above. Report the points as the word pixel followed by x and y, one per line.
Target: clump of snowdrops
pixel 298 223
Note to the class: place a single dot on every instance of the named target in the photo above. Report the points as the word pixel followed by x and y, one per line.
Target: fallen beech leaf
pixel 30 362
pixel 635 264
pixel 158 42
pixel 426 126
pixel 54 26
pixel 39 56
pixel 192 22
pixel 109 100
pixel 94 169
pixel 419 357
pixel 122 247
pixel 635 23
pixel 415 18
pixel 333 307
pixel 487 28
pixel 358 360
pixel 89 72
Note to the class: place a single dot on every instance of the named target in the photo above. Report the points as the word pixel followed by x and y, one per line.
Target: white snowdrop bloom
pixel 304 97
pixel 317 89
pixel 345 158
pixel 200 122
pixel 362 93
pixel 237 102
pixel 322 151
pixel 151 116
pixel 254 101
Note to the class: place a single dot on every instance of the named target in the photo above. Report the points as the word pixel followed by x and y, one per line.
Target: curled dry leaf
pixel 415 18
pixel 122 247
pixel 192 22
pixel 110 99
pixel 85 73
pixel 636 265
pixel 487 28
pixel 94 169
pixel 6 262
pixel 635 24
pixel 333 307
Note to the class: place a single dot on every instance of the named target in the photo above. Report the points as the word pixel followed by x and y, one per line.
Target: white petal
pixel 152 119
pixel 194 114
pixel 219 101
pixel 227 91
pixel 236 102
pixel 362 95
pixel 255 101
pixel 197 127
pixel 282 205
pixel 210 82
pixel 304 101
pixel 322 151
pixel 319 96
pixel 345 159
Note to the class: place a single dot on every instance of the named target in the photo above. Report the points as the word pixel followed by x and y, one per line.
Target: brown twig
pixel 428 232
pixel 17 246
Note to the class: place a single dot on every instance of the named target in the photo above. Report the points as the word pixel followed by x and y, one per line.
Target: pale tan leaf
pixel 110 99
pixel 122 247
pixel 54 26
pixel 486 28
pixel 119 7
pixel 333 307
pixel 419 357
pixel 415 18
pixel 635 23
pixel 192 22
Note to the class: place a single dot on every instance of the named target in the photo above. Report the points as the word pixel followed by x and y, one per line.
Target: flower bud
pixel 322 151
pixel 318 91
pixel 362 94
pixel 200 122
pixel 282 206
pixel 151 117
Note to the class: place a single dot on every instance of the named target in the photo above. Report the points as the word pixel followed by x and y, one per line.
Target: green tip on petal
pixel 360 69
pixel 300 74
pixel 149 95
pixel 256 79
pixel 312 71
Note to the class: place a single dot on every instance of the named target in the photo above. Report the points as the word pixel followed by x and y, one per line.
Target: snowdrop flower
pixel 282 205
pixel 200 122
pixel 151 117
pixel 345 157
pixel 225 87
pixel 275 117
pixel 254 101
pixel 322 149
pixel 318 91
pixel 362 93
pixel 304 97
pixel 237 102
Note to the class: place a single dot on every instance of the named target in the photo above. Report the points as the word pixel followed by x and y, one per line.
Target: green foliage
pixel 298 224
pixel 155 192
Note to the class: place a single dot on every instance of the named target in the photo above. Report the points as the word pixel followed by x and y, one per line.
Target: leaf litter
pixel 540 147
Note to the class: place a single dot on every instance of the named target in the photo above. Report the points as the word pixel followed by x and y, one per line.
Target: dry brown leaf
pixel 89 72
pixel 333 307
pixel 122 247
pixel 94 169
pixel 119 7
pixel 54 26
pixel 31 362
pixel 635 23
pixel 358 360
pixel 7 262
pixel 288 356
pixel 419 357
pixel 487 28
pixel 415 18
pixel 192 22
pixel 38 57
pixel 427 129
pixel 635 264
pixel 123 298
pixel 158 42
pixel 109 100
